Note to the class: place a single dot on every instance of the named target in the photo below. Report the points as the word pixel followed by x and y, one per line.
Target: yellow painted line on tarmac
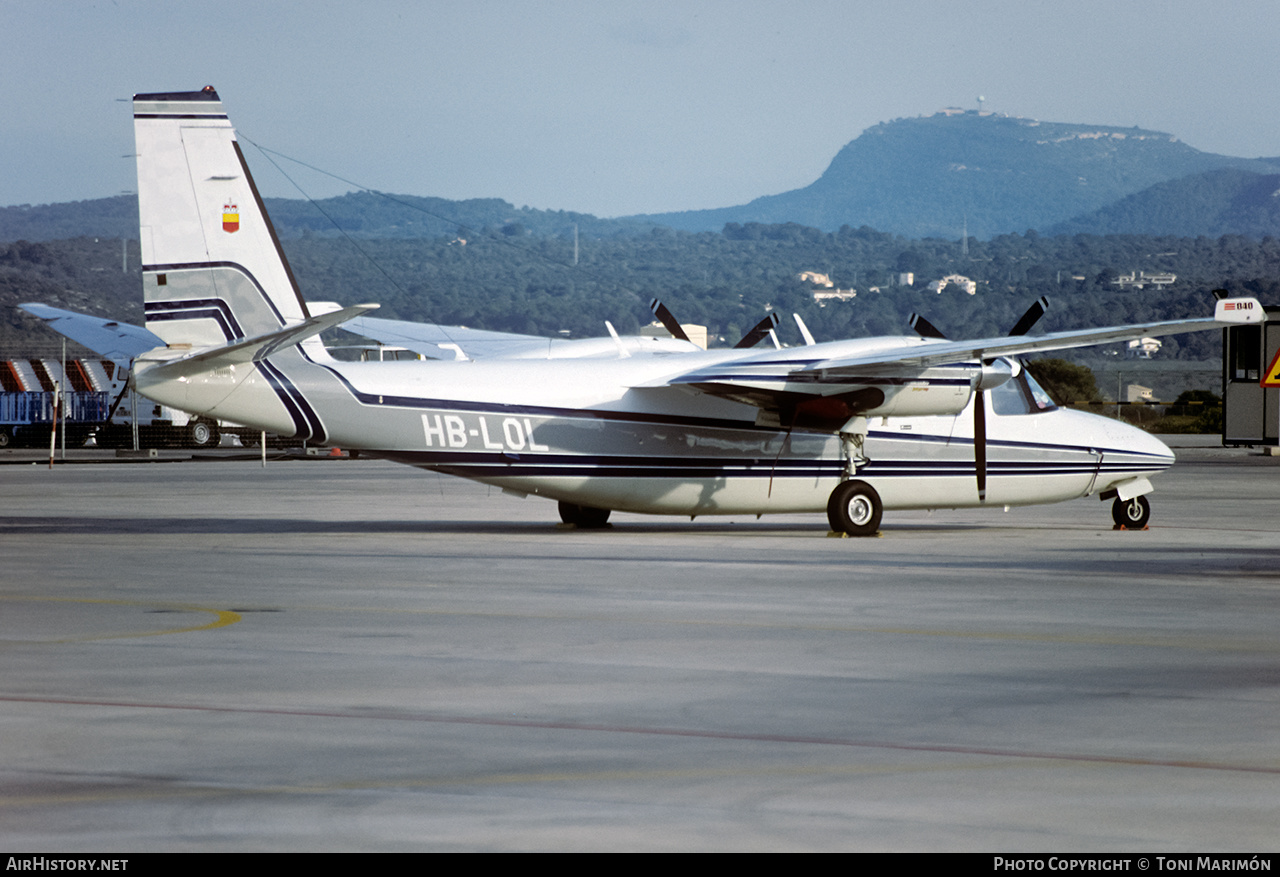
pixel 222 617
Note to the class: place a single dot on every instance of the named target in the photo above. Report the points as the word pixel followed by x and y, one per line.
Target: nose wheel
pixel 1131 514
pixel 854 508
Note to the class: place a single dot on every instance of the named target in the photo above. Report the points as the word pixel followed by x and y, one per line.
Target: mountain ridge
pixel 927 176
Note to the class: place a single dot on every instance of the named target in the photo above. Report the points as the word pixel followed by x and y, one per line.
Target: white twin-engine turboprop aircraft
pixel 853 427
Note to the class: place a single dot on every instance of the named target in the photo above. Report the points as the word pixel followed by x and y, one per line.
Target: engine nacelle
pixel 996 372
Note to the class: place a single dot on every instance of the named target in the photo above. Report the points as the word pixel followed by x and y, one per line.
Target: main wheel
pixel 855 508
pixel 1132 514
pixel 202 434
pixel 5 438
pixel 113 435
pixel 582 516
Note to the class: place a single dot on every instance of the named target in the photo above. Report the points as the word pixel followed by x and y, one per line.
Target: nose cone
pixel 1127 452
pixel 1134 442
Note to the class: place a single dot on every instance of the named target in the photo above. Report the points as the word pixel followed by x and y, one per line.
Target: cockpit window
pixel 1020 395
pixel 1039 395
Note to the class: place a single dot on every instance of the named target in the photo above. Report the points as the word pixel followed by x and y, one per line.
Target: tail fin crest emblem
pixel 230 218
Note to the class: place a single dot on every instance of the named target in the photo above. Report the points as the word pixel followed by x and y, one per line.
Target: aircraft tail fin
pixel 212 267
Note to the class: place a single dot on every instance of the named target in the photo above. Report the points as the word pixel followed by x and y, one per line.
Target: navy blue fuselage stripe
pixel 235 266
pixel 179 116
pixel 387 401
pixel 532 465
pixel 735 379
pixel 306 420
pixel 304 416
pixel 196 309
pixel 218 315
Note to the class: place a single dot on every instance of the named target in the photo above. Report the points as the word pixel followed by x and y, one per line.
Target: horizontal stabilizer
pixel 260 346
pixel 121 343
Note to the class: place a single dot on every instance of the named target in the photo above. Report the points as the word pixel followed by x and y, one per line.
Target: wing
pixel 444 342
pixel 457 342
pixel 823 385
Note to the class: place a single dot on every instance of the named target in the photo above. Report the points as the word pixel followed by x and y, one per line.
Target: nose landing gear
pixel 1131 514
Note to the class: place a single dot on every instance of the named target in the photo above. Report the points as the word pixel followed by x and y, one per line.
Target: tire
pixel 5 437
pixel 855 508
pixel 202 434
pixel 114 436
pixel 583 517
pixel 1131 514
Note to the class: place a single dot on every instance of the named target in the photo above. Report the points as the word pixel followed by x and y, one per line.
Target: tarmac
pixel 336 654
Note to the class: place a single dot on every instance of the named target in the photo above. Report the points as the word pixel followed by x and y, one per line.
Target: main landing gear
pixel 854 507
pixel 584 517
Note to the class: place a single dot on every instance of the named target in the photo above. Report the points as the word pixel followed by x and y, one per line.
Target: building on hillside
pixel 969 286
pixel 1143 348
pixel 816 279
pixel 1141 280
pixel 822 296
pixel 1135 394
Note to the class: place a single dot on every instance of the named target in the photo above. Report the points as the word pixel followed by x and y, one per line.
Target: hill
pixel 1211 204
pixel 923 177
pixel 359 214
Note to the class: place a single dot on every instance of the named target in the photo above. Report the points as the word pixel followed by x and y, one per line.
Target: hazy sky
pixel 607 107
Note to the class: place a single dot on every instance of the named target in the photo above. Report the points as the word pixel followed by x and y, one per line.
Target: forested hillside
pixel 1215 203
pixel 726 280
pixel 356 214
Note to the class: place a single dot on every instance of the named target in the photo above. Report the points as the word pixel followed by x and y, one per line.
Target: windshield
pixel 1020 395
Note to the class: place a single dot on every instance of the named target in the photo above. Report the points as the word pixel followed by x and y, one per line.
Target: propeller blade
pixel 804 331
pixel 924 328
pixel 668 319
pixel 1031 317
pixel 980 442
pixel 759 332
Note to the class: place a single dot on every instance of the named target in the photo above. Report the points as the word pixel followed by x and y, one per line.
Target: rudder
pixel 212 266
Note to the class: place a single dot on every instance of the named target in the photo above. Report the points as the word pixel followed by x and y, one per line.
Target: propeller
pixel 1031 317
pixel 980 442
pixel 668 320
pixel 925 329
pixel 759 331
